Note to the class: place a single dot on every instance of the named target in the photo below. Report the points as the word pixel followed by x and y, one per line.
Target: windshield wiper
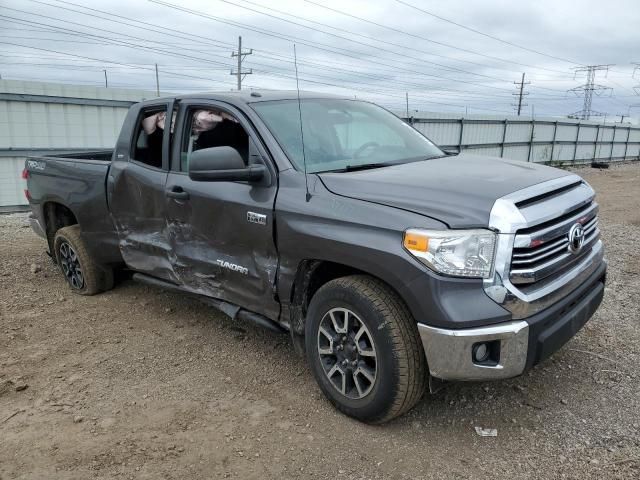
pixel 365 166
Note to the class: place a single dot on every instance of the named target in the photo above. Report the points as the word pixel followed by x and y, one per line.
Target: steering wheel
pixel 363 147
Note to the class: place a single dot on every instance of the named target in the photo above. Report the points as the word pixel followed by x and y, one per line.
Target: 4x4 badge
pixel 259 218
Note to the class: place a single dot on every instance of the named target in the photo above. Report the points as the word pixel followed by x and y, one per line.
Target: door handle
pixel 178 193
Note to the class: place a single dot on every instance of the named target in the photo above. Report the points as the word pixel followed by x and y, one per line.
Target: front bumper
pixel 516 346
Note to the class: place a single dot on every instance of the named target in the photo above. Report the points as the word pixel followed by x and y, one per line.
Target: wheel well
pixel 313 274
pixel 56 216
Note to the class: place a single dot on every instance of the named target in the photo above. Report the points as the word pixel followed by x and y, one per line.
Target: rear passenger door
pixel 136 190
pixel 221 233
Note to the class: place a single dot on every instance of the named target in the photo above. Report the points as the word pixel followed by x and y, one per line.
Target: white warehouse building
pixel 39 118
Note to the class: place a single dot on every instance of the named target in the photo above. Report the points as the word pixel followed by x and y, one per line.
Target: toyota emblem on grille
pixel 576 238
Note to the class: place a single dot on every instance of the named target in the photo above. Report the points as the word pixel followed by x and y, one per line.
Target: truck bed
pixel 75 181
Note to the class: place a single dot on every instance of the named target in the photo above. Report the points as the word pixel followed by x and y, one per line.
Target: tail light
pixel 25 177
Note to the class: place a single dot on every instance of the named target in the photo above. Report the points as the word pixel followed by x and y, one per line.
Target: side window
pixel 207 128
pixel 148 138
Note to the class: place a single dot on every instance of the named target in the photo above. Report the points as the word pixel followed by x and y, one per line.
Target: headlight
pixel 461 253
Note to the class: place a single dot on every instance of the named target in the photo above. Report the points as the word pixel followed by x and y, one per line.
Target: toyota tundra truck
pixel 391 263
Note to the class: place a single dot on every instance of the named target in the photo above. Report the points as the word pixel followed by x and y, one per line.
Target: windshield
pixel 342 134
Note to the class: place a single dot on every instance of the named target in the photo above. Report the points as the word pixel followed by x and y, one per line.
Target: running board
pixel 232 311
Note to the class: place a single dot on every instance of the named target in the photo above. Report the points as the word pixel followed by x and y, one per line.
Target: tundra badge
pixel 233 267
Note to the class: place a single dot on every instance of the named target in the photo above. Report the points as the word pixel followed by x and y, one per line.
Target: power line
pixel 106 61
pixel 323 47
pixel 386 42
pixel 121 42
pixel 486 34
pixel 429 39
pixel 206 78
pixel 354 85
pixel 162 30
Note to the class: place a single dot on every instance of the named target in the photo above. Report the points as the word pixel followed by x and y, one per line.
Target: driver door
pixel 221 232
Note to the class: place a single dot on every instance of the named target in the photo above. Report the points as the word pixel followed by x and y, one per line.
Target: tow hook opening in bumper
pixel 485 353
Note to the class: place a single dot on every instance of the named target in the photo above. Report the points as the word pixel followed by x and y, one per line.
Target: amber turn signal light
pixel 415 242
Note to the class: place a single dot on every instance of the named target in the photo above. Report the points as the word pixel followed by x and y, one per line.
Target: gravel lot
pixel 140 383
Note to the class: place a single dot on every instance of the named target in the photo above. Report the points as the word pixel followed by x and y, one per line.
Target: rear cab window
pixel 148 136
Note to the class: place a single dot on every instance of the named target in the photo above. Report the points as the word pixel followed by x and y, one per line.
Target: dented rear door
pixel 136 196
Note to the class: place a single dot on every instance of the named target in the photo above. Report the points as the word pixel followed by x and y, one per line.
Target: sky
pixel 455 56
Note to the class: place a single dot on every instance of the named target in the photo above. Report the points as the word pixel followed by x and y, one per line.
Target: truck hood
pixel 457 190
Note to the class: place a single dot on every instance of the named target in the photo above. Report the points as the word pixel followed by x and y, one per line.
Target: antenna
pixel 304 158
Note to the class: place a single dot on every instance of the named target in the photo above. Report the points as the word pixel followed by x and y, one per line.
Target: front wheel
pixel 82 273
pixel 364 349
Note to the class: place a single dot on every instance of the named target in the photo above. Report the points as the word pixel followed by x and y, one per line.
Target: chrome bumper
pixel 36 227
pixel 449 352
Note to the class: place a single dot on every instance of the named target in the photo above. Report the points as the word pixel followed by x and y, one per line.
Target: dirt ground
pixel 138 383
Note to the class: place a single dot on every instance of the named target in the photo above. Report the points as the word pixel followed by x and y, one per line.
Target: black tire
pixel 400 364
pixel 83 274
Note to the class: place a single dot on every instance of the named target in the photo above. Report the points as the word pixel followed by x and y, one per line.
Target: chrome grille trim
pixel 526 278
pixel 588 228
pixel 555 230
pixel 539 272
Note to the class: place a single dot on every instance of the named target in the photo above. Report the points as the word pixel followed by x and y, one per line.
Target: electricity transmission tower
pixel 241 56
pixel 588 89
pixel 636 68
pixel 520 94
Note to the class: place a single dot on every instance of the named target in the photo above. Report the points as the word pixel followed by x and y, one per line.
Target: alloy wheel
pixel 347 353
pixel 71 266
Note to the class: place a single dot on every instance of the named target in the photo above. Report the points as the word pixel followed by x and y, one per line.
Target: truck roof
pixel 246 96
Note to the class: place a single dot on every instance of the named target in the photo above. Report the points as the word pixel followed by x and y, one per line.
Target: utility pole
pixel 520 94
pixel 157 82
pixel 588 89
pixel 241 55
pixel 406 94
pixel 106 82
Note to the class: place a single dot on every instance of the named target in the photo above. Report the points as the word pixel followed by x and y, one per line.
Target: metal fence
pixel 533 140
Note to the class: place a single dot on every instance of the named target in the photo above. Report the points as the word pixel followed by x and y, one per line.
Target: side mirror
pixel 219 164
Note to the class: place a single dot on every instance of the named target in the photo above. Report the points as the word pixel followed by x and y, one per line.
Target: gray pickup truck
pixel 391 264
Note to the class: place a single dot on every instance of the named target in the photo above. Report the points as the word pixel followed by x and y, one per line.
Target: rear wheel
pixel 82 273
pixel 364 349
